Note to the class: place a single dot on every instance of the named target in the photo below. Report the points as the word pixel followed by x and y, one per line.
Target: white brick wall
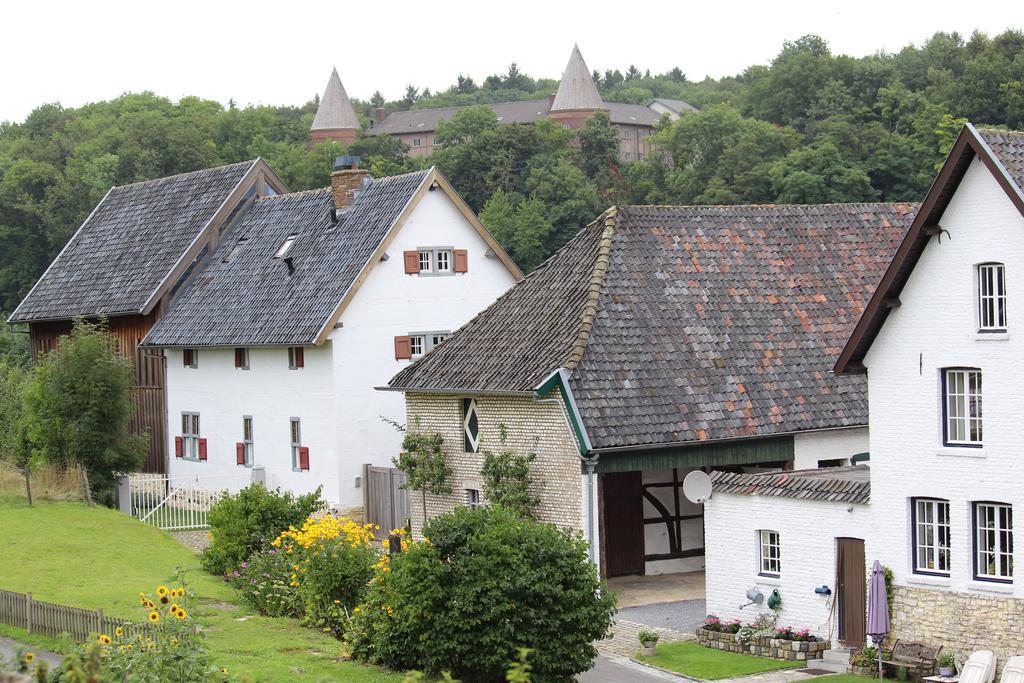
pixel 807 533
pixel 935 327
pixel 534 426
pixel 810 447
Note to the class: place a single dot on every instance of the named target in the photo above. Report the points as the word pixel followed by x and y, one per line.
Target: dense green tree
pixel 599 143
pixel 521 226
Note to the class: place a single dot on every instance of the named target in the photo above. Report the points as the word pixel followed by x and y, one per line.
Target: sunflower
pixel 154 616
pixel 29 657
pixel 105 639
pixel 118 631
pixel 180 614
pixel 162 591
pixel 174 642
pixel 149 604
pixel 164 599
pixel 174 607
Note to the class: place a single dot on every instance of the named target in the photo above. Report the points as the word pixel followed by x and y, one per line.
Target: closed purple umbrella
pixel 878 610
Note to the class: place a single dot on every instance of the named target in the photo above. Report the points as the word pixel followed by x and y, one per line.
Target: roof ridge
pixel 761 206
pixel 177 175
pixel 594 289
pixel 290 195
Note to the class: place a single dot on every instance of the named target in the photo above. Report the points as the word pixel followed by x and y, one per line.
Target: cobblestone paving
pixel 196 541
pixel 625 643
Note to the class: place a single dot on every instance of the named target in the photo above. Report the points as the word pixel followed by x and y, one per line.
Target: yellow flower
pixel 129 647
pixel 154 616
pixel 174 607
pixel 105 639
pixel 118 631
pixel 162 591
pixel 164 599
pixel 357 610
pixel 337 602
pixel 29 657
pixel 174 642
pixel 180 614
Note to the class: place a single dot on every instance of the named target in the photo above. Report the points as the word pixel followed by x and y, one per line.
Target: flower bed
pixel 807 647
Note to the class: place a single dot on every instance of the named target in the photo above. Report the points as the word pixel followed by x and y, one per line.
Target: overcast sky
pixel 282 52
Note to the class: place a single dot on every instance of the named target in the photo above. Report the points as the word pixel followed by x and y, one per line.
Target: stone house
pixel 311 300
pixel 658 341
pixel 576 100
pixel 935 341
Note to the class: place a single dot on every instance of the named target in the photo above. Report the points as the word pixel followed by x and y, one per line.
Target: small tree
pixel 14 444
pixel 507 479
pixel 422 459
pixel 599 143
pixel 78 404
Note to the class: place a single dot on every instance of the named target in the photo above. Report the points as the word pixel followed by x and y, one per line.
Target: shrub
pixel 243 523
pixel 486 584
pixel 264 583
pixel 717 625
pixel 647 636
pixel 423 461
pixel 763 626
pixel 332 563
pixel 867 656
pixel 507 480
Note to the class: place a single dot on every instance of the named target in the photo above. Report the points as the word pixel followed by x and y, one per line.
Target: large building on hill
pixel 576 100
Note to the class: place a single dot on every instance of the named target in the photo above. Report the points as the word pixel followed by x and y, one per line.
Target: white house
pixel 937 342
pixel 312 300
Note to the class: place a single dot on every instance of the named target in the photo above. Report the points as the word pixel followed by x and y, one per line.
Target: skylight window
pixel 285 246
pixel 235 250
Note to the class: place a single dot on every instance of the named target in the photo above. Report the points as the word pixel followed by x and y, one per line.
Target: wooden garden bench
pixel 917 658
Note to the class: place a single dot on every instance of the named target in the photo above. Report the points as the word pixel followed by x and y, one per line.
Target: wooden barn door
pixel 851 591
pixel 623 523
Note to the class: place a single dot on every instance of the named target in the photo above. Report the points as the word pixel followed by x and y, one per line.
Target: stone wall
pixel 777 648
pixel 530 426
pixel 963 622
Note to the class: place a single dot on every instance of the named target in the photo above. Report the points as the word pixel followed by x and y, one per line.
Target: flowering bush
pixel 801 635
pixel 717 625
pixel 331 562
pixel 264 582
pixel 488 583
pixel 763 626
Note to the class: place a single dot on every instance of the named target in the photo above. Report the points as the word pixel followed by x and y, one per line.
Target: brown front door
pixel 851 591
pixel 623 522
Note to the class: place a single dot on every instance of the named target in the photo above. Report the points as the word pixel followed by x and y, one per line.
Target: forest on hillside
pixel 809 127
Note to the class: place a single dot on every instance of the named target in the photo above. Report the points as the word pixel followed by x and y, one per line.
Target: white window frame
pixel 417 142
pixel 991 297
pixel 421 343
pixel 190 435
pixel 291 358
pixel 473 498
pixel 247 439
pixel 295 437
pixel 470 442
pixel 426 261
pixel 437 260
pixel 993 541
pixel 769 553
pixel 931 536
pixel 286 246
pixel 962 416
pixel 443 261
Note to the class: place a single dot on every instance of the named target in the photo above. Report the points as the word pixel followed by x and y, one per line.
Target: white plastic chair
pixel 1013 672
pixel 980 667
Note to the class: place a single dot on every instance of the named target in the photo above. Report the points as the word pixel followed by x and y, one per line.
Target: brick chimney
pixel 347 180
pixel 378 115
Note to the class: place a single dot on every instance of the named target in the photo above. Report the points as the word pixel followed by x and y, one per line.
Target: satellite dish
pixel 697 487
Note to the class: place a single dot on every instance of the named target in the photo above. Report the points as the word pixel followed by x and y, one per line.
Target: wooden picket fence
pixel 35 616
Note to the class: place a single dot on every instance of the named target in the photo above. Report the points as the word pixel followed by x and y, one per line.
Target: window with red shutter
pixel 303 458
pixel 202 449
pixel 240 453
pixel 179 447
pixel 242 359
pixel 412 261
pixel 403 348
pixel 296 357
pixel 461 261
pixel 189 358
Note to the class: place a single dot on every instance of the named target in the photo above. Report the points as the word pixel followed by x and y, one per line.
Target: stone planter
pixel 650 648
pixel 863 670
pixel 776 648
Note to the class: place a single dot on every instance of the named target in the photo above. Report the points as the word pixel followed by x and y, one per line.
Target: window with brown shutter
pixel 303 458
pixel 189 358
pixel 242 358
pixel 240 453
pixel 412 261
pixel 296 357
pixel 461 261
pixel 179 447
pixel 202 449
pixel 403 348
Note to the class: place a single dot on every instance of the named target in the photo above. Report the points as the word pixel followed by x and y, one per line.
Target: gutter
pixel 686 444
pixel 458 392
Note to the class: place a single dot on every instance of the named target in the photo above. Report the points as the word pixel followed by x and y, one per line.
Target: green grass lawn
pixel 98 558
pixel 847 678
pixel 696 661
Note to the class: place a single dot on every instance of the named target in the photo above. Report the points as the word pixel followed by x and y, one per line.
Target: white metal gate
pixel 176 504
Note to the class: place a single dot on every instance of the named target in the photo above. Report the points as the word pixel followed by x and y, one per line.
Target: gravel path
pixel 684 615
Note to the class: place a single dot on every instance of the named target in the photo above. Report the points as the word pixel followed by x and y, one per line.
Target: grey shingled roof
pixel 128 245
pixel 832 484
pixel 250 299
pixel 335 110
pixel 523 111
pixel 710 322
pixel 678 106
pixel 1008 146
pixel 576 89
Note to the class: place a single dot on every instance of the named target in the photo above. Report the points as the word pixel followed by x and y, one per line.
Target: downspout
pixel 560 378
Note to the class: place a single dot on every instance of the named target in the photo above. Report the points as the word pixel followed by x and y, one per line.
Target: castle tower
pixel 335 118
pixel 577 98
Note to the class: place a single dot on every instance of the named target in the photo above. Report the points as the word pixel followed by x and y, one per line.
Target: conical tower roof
pixel 576 90
pixel 335 109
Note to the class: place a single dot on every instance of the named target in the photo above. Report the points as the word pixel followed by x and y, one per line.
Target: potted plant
pixel 649 641
pixel 864 662
pixel 947 664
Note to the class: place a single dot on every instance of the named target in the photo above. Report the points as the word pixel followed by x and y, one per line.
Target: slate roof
pixel 576 89
pixel 523 111
pixel 128 245
pixel 335 110
pixel 832 484
pixel 678 106
pixel 716 322
pixel 1002 153
pixel 249 299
